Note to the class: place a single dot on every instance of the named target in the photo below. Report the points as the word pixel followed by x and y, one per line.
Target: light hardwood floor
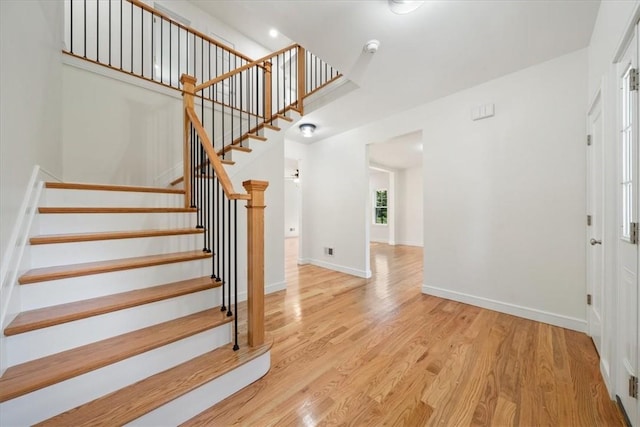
pixel 376 352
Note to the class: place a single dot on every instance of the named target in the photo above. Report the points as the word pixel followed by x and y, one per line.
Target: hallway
pixel 378 351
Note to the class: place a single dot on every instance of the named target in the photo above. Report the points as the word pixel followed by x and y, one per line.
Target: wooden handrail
pixel 217 165
pixel 190 30
pixel 257 63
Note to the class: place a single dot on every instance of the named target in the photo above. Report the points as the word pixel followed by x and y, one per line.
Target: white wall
pixel 30 91
pixel 30 83
pixel 409 218
pixel 116 132
pixel 614 18
pixel 503 197
pixel 378 181
pixel 291 208
pixel 335 179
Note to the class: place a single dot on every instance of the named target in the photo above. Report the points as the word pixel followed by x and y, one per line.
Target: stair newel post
pixel 255 260
pixel 302 78
pixel 188 92
pixel 267 91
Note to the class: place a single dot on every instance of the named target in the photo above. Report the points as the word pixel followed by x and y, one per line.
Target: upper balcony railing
pixel 134 38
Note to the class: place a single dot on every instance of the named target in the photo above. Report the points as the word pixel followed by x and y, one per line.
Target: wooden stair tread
pixel 96 267
pixel 283 117
pixel 129 403
pixel 58 314
pixel 30 376
pixel 228 148
pixel 272 127
pixel 111 210
pixel 106 187
pixel 110 235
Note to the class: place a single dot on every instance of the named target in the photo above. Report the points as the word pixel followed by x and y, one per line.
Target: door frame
pixel 597 101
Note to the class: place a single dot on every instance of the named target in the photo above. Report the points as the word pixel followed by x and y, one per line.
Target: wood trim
pixel 234 147
pixel 256 63
pixel 55 315
pixel 255 261
pixel 191 30
pixel 302 82
pixel 322 86
pixel 283 117
pixel 105 187
pixel 268 101
pixel 84 269
pixel 131 402
pixel 188 83
pixel 110 235
pixel 110 210
pixel 26 377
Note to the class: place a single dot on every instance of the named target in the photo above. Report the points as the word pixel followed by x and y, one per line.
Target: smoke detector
pixel 371 46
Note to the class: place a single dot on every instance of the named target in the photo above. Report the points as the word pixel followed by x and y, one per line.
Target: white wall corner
pixel 268 289
pixel 555 319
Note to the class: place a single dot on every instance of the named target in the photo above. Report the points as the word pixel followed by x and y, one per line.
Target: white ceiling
pixel 440 49
pixel 401 152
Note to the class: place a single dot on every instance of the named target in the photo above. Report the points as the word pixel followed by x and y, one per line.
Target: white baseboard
pixel 606 377
pixel 410 243
pixel 555 319
pixel 341 268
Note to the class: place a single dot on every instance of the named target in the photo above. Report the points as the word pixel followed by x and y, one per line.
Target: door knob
pixel 595 242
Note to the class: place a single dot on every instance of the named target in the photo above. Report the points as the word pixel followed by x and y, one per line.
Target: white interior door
pixel 627 118
pixel 595 222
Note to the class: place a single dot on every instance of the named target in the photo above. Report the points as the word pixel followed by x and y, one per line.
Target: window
pixel 380 207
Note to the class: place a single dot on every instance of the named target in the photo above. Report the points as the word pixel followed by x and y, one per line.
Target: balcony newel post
pixel 302 78
pixel 188 92
pixel 255 261
pixel 267 91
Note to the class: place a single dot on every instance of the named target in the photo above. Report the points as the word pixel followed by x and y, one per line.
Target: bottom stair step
pixel 136 400
pixel 34 375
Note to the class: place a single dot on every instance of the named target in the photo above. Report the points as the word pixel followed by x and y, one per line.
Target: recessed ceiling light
pixel 307 129
pixel 273 33
pixel 402 7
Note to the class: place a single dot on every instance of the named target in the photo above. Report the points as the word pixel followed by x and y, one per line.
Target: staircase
pixel 129 307
pixel 121 320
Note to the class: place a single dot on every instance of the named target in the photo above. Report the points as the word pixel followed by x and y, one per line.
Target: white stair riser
pixel 58 197
pixel 102 250
pixel 43 342
pixel 53 292
pixel 93 223
pixel 47 402
pixel 191 404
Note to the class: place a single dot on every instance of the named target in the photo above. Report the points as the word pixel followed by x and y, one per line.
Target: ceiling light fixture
pixel 273 33
pixel 371 46
pixel 307 129
pixel 402 7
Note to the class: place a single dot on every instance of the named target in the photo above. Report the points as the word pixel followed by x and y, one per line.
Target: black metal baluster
pixel 170 59
pixel 161 49
pixel 71 22
pixel 85 28
pixel 142 42
pixel 235 273
pixel 223 254
pixel 131 41
pixel 229 312
pixel 98 31
pixel 121 32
